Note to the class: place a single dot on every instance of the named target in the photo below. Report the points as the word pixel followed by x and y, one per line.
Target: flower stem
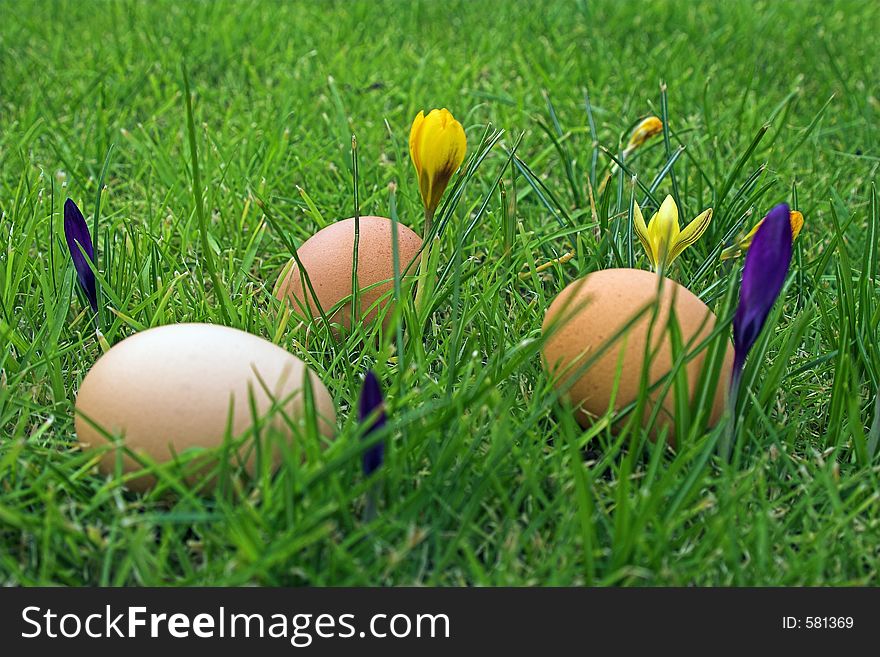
pixel 371 505
pixel 727 439
pixel 429 221
pixel 424 264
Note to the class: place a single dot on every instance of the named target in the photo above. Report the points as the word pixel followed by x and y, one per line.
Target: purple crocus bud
pixel 764 273
pixel 371 401
pixel 76 231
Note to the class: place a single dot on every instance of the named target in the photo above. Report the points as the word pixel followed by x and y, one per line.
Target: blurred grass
pixel 487 480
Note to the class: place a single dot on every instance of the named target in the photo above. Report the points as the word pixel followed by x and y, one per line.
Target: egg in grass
pixel 597 332
pixel 180 387
pixel 327 259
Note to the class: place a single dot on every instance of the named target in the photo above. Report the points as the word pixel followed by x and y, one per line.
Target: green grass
pixel 488 480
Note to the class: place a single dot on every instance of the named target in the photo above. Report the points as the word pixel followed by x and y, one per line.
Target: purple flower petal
pixel 76 232
pixel 370 401
pixel 764 273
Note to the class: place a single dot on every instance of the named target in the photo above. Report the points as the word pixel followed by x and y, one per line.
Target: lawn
pixel 487 479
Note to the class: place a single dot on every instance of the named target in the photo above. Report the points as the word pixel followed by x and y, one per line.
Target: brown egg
pixel 172 388
pixel 599 306
pixel 327 258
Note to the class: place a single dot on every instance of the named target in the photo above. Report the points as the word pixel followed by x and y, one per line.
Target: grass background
pixel 487 481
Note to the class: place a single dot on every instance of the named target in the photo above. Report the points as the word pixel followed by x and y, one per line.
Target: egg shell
pixel 599 306
pixel 327 258
pixel 171 388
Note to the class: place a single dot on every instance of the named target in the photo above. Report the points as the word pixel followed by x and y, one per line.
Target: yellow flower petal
pixel 437 148
pixel 641 231
pixel 643 132
pixel 797 223
pixel 691 234
pixel 663 231
pixel 746 241
pixel 414 133
pixel 737 248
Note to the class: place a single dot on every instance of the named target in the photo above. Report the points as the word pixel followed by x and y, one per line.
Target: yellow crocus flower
pixel 643 132
pixel 661 237
pixel 437 145
pixel 742 245
pixel 646 129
